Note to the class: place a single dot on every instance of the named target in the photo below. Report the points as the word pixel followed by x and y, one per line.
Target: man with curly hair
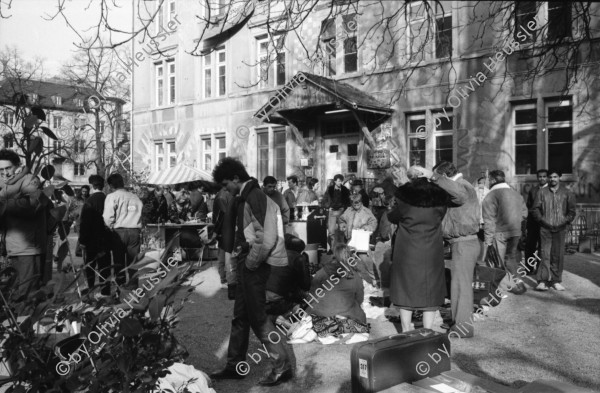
pixel 259 244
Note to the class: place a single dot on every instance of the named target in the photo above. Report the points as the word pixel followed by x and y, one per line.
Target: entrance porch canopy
pixel 306 96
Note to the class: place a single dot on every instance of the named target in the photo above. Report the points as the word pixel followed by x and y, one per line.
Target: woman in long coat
pixel 417 277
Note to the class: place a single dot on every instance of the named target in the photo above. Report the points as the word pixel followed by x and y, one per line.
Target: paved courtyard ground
pixel 539 335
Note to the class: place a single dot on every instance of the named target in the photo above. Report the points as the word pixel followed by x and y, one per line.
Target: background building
pixel 371 101
pixel 70 114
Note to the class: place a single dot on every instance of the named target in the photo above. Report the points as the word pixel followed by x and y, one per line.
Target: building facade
pixel 365 104
pixel 70 115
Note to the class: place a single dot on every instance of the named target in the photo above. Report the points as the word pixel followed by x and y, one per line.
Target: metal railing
pixel 586 224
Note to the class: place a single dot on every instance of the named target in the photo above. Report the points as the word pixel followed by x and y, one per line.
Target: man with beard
pixel 554 209
pixel 259 242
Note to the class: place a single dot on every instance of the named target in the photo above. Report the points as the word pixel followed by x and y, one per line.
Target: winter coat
pixel 555 209
pixel 92 232
pixel 259 228
pixel 462 219
pixel 358 219
pixel 418 276
pixel 334 293
pixel 150 209
pixel 221 205
pixel 25 219
pixel 503 211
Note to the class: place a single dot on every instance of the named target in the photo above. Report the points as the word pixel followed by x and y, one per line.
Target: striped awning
pixel 178 174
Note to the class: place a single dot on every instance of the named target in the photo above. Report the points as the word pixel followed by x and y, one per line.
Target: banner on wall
pixel 380 156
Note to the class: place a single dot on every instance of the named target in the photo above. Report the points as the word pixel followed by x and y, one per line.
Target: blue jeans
pixel 553 256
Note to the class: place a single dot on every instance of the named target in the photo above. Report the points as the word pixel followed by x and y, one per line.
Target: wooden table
pixel 189 236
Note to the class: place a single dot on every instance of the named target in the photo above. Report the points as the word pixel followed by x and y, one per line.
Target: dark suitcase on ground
pixel 382 363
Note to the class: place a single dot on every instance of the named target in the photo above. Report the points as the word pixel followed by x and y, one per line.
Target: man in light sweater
pixel 503 211
pixel 460 227
pixel 123 216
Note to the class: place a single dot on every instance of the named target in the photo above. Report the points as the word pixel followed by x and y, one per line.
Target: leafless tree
pixel 97 69
pixel 22 120
pixel 385 38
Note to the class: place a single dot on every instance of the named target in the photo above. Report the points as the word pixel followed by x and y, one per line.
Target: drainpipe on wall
pixel 132 95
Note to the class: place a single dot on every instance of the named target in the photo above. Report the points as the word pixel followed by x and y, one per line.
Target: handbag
pixel 486 279
pixel 492 258
pixel 485 283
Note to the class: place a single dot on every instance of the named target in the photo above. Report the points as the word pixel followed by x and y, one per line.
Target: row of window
pixel 165 152
pixel 78 123
pixel 57 100
pixel 542 136
pixel 271 55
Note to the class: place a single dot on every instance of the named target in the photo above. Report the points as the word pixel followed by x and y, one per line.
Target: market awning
pixel 317 93
pixel 178 174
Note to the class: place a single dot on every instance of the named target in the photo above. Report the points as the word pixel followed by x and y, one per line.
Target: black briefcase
pixel 406 357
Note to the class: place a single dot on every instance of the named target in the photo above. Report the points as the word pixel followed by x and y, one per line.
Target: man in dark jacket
pixel 260 244
pixel 94 236
pixel 291 195
pixel 460 227
pixel 533 227
pixel 503 211
pixel 270 188
pixel 224 219
pixel 336 199
pixel 554 209
pixel 198 203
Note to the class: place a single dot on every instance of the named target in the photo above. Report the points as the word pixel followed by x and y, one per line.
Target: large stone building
pixel 70 115
pixel 362 108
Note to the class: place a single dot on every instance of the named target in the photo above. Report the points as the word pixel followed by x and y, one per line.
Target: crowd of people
pixel 265 269
pixel 414 221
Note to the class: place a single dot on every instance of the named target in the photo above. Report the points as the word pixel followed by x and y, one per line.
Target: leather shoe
pixel 275 378
pixel 231 291
pixel 227 373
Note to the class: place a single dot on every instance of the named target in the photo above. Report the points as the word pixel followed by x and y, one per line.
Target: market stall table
pixel 189 233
